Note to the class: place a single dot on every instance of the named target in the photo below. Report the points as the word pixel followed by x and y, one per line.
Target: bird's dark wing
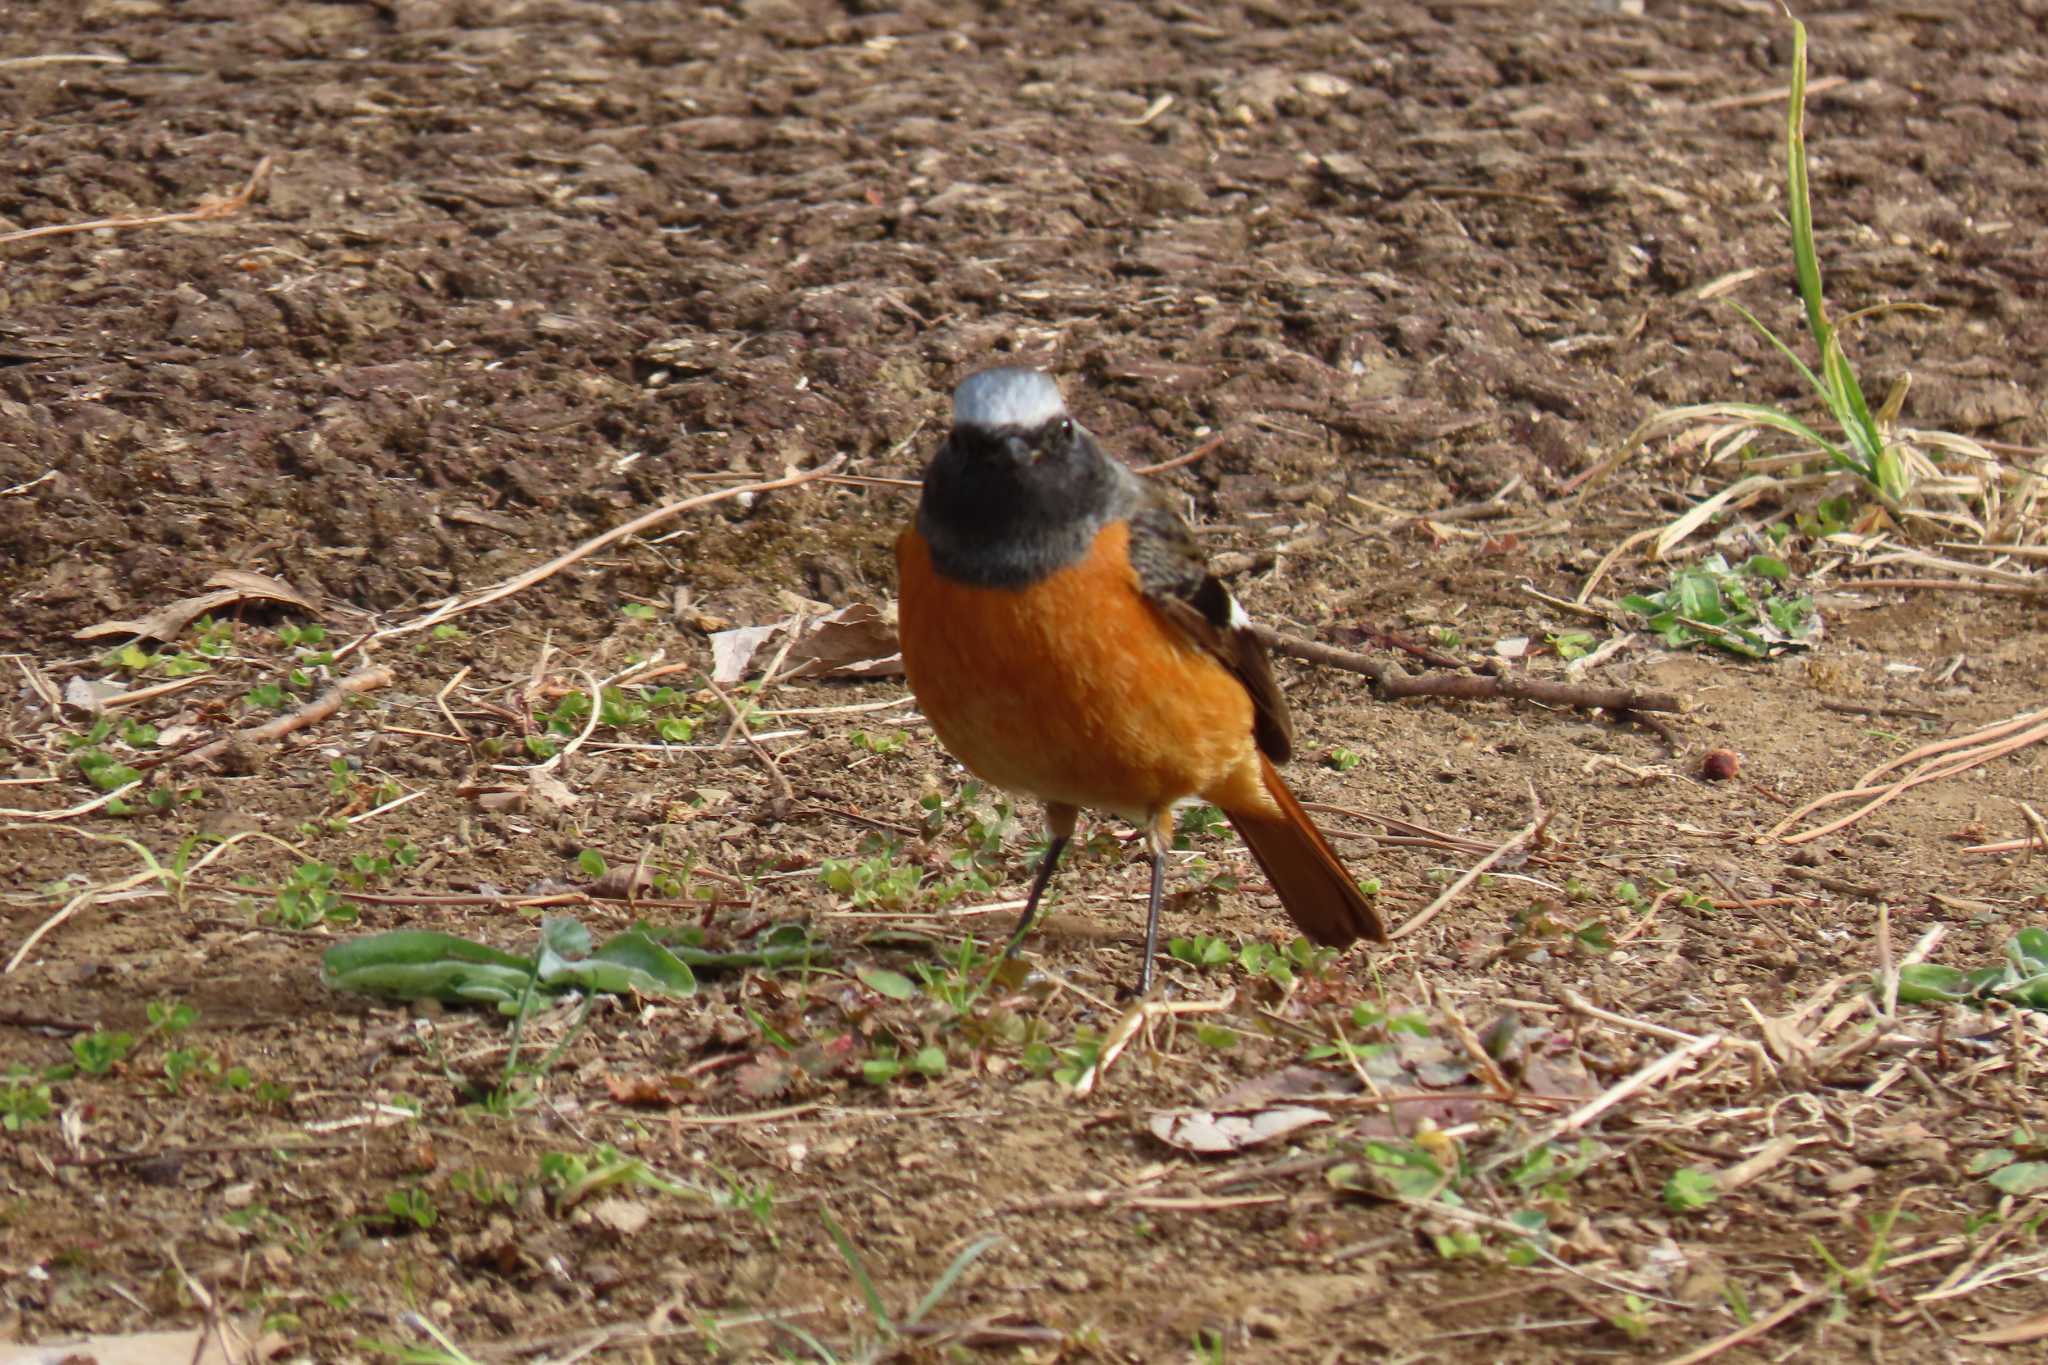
pixel 1175 579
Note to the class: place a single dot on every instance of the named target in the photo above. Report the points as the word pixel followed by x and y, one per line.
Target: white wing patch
pixel 1007 397
pixel 1238 620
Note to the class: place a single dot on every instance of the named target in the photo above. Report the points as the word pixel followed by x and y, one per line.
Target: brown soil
pixel 524 269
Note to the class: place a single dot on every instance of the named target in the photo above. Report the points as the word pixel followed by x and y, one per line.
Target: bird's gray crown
pixel 1007 397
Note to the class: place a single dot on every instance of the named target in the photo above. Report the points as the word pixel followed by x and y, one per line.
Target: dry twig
pixel 1389 682
pixel 1189 458
pixel 209 208
pixel 69 812
pixel 1136 1018
pixel 760 750
pixel 312 713
pixel 1956 584
pixel 1936 761
pixel 448 611
pixel 1784 1313
pixel 1671 1062
pixel 1527 834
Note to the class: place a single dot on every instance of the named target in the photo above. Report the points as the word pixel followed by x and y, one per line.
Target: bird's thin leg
pixel 1156 836
pixel 1059 822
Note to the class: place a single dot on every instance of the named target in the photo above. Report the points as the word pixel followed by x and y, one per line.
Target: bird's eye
pixel 1065 428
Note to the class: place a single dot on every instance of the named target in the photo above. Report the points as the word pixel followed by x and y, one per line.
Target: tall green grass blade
pixel 944 1284
pixel 851 1255
pixel 1873 460
pixel 1799 205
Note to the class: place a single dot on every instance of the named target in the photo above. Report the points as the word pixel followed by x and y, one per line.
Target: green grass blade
pixel 1850 408
pixel 851 1255
pixel 1791 426
pixel 818 1348
pixel 1885 470
pixel 1799 203
pixel 944 1284
pixel 1815 380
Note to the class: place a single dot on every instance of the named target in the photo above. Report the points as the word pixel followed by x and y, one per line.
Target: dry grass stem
pixel 448 611
pixel 1526 835
pixel 208 210
pixel 1942 759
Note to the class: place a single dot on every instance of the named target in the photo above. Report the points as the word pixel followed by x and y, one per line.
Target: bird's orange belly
pixel 1074 690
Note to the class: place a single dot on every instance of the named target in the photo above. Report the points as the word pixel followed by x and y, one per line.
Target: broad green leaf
pixel 451 981
pixel 881 980
pixel 416 946
pixel 2022 1177
pixel 564 936
pixel 1924 981
pixel 1767 566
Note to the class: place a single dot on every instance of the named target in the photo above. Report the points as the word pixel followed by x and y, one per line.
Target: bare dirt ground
pixel 521 271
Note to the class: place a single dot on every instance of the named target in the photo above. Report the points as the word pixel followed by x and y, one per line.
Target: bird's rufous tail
pixel 1320 896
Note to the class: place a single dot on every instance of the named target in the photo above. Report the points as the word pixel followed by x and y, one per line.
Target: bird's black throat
pixel 1006 508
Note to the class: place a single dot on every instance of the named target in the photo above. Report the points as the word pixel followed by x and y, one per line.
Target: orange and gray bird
pixel 1064 637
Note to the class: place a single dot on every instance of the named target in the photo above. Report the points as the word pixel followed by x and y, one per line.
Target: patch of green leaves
pixel 885 742
pixel 1376 1028
pixel 959 978
pixel 268 696
pixel 183 1063
pixel 412 1205
pixel 214 640
pixel 1690 1189
pixel 98 1052
pixel 367 869
pixel 877 879
pixel 881 877
pixel 2005 1172
pixel 1069 1064
pixel 24 1099
pixel 1829 516
pixel 887 1064
pixel 1402 1169
pixel 347 783
pixel 416 964
pixel 1546 1171
pixel 1738 610
pixel 484 1188
pixel 882 981
pixel 308 898
pixel 1571 644
pixel 1197 822
pixel 572 1176
pixel 1204 951
pixel 95 764
pixel 1283 965
pixel 2020 978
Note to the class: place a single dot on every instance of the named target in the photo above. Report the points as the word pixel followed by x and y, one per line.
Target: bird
pixel 1062 634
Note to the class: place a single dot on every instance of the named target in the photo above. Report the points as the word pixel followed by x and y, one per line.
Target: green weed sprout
pixel 1890 462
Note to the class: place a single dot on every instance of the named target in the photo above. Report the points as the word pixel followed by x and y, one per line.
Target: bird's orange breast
pixel 1074 689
